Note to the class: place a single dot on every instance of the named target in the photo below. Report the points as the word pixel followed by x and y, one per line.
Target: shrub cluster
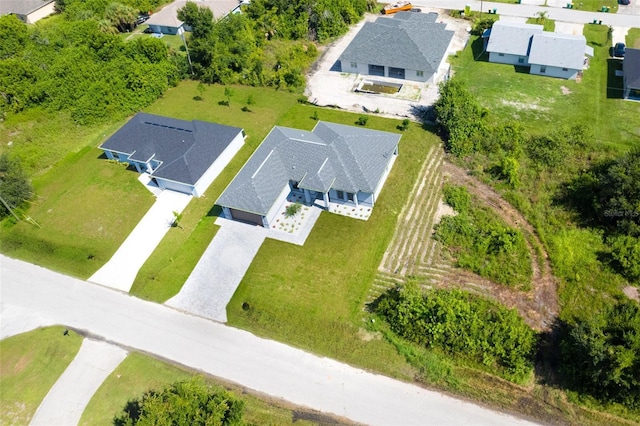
pixel 461 323
pixel 482 243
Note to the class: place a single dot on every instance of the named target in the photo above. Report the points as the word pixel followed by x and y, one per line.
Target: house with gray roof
pixel 544 52
pixel 631 74
pixel 28 11
pixel 179 155
pixel 509 42
pixel 332 163
pixel 166 20
pixel 410 46
pixel 558 55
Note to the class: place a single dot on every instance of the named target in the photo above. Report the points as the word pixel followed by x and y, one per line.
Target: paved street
pixel 33 295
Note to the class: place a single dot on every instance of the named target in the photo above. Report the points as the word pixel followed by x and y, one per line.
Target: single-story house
pixel 166 20
pixel 558 55
pixel 409 46
pixel 545 53
pixel 183 156
pixel 28 11
pixel 509 42
pixel 331 163
pixel 631 74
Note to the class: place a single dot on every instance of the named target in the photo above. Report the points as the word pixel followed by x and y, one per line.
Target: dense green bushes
pixel 15 189
pixel 463 324
pixel 481 243
pixel 601 355
pixel 183 403
pixel 73 66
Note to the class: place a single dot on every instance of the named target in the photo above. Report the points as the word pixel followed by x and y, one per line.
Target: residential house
pixel 409 46
pixel 183 156
pixel 509 42
pixel 332 163
pixel 631 74
pixel 545 53
pixel 28 11
pixel 166 20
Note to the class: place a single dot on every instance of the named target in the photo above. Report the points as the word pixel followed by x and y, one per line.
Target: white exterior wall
pixel 275 208
pixel 163 29
pixel 385 176
pixel 508 59
pixel 43 12
pixel 413 75
pixel 569 74
pixel 175 186
pixel 216 168
pixel 345 65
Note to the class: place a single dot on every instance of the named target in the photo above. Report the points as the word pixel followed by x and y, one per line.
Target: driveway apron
pixel 67 399
pixel 219 271
pixel 121 270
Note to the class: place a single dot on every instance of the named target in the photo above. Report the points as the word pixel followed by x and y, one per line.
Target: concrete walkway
pixel 219 271
pixel 67 399
pixel 259 364
pixel 121 270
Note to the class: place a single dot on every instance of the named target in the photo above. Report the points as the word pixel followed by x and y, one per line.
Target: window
pixel 500 54
pixel 340 194
pixel 419 73
pixel 543 69
pixel 354 65
pixel 521 60
pixel 565 69
pixel 351 197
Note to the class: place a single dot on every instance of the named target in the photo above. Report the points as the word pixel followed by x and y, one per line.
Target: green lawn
pixel 84 209
pixel 167 269
pixel 633 38
pixel 30 364
pixel 139 373
pixel 548 24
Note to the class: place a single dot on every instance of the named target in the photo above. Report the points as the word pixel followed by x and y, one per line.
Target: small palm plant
pixel 292 209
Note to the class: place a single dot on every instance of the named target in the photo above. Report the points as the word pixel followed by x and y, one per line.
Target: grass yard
pixel 548 24
pixel 164 273
pixel 85 208
pixel 29 366
pixel 633 38
pixel 139 373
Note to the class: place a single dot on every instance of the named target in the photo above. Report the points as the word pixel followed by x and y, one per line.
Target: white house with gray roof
pixel 179 155
pixel 166 20
pixel 331 163
pixel 544 52
pixel 28 11
pixel 510 42
pixel 409 46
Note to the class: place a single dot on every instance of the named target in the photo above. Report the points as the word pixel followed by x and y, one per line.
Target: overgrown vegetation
pixel 463 325
pixel 188 402
pixel 480 242
pixel 15 188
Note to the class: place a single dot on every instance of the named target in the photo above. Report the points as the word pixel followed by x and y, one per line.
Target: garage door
pixel 376 70
pixel 396 72
pixel 255 219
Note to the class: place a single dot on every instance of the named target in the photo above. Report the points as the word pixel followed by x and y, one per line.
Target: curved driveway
pixel 32 295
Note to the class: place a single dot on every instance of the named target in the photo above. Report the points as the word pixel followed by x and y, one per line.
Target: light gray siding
pixel 566 73
pixel 506 58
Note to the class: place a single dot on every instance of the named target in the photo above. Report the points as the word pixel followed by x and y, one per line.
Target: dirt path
pixel 538 306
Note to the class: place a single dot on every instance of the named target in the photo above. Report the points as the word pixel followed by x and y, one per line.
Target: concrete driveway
pixel 121 270
pixel 259 364
pixel 67 399
pixel 219 271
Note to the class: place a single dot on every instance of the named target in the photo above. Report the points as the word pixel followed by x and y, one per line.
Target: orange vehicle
pixel 397 7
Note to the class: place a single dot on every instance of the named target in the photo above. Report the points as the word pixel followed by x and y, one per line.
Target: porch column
pixel 307 196
pixel 325 197
pixel 137 167
pixel 226 212
pixel 355 198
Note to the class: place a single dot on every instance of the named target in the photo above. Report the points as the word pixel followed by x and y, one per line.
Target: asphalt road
pixel 31 296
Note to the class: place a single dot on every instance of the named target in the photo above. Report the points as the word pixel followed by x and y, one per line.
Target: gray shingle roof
pixel 332 156
pixel 396 42
pixel 631 68
pixel 185 148
pixel 21 7
pixel 558 50
pixel 512 38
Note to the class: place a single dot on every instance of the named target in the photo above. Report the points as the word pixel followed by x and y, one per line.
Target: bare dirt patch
pixel 443 210
pixel 632 293
pixel 565 90
pixel 523 105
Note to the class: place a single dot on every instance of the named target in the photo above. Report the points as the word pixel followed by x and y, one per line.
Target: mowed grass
pixel 30 364
pixel 83 210
pixel 542 104
pixel 139 373
pixel 313 296
pixel 166 270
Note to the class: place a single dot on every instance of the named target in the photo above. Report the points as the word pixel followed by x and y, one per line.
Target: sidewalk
pixel 67 399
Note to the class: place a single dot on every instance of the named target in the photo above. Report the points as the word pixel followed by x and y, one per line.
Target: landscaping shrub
pixel 463 324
